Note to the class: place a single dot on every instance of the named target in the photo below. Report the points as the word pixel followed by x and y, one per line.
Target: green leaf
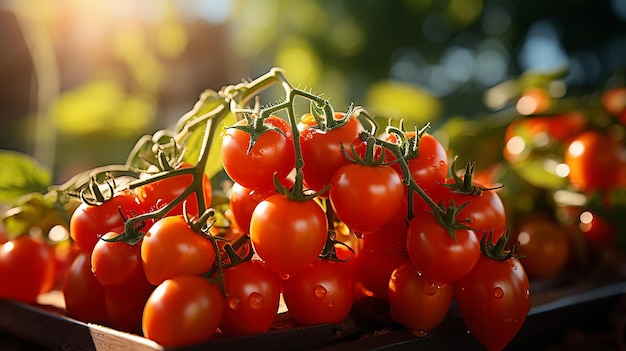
pixel 20 175
pixel 37 210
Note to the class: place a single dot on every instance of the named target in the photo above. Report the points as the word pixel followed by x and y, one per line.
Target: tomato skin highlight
pixel 320 293
pixel 438 256
pixel 272 152
pixel 417 302
pixel 357 192
pixel 252 299
pixel 171 247
pixel 288 235
pixel 183 310
pixel 494 300
pixel 27 269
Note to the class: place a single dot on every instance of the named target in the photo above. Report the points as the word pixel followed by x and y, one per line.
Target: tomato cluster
pixel 580 148
pixel 323 211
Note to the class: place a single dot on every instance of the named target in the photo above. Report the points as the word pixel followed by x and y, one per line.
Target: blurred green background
pixel 81 81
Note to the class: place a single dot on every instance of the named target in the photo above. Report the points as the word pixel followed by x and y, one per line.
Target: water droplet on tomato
pixel 498 293
pixel 255 301
pixel 419 333
pixel 358 235
pixel 320 291
pixel 430 288
pixel 284 276
pixel 442 163
pixel 233 302
pixel 331 303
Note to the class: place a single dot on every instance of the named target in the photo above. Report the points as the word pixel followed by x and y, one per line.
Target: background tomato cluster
pixel 562 159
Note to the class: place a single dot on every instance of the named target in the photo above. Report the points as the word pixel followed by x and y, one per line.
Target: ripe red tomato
pixel 435 254
pixel 89 222
pixel 243 201
pixel 288 235
pixel 182 311
pixel 596 161
pixel 27 269
pixel 117 265
pixel 171 247
pixel 485 212
pixel 416 302
pixel 365 197
pixel 543 246
pixel 252 293
pixel 272 152
pixel 83 294
pixel 374 268
pixel 320 293
pixel 494 299
pixel 321 150
pixel 159 194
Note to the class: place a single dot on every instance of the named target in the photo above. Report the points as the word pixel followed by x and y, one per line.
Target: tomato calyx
pixel 466 184
pixel 93 194
pixel 324 116
pixel 407 142
pixel 498 250
pixel 449 221
pixel 255 127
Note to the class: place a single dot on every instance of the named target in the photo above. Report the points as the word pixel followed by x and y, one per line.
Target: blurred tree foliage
pixel 97 75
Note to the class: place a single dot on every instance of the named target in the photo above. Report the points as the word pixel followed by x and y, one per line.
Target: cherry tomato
pixel 171 247
pixel 252 298
pixel 320 293
pixel 117 265
pixel 288 235
pixel 494 299
pixel 599 233
pixel 83 294
pixel 272 152
pixel 365 197
pixel 596 162
pixel 27 269
pixel 183 310
pixel 243 201
pixel 438 256
pixel 416 302
pixel 321 150
pixel 543 246
pixel 89 222
pixel 159 194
